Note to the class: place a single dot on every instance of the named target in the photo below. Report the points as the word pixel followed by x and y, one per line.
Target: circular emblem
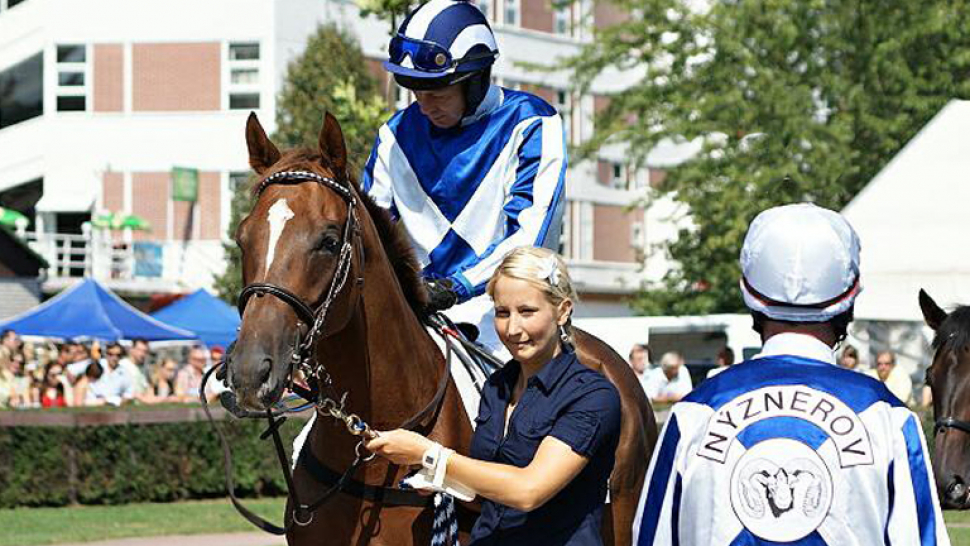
pixel 440 59
pixel 781 490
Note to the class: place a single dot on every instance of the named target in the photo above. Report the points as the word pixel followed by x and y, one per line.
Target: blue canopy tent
pixel 89 310
pixel 213 320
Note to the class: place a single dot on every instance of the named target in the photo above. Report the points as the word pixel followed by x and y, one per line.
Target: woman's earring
pixel 563 335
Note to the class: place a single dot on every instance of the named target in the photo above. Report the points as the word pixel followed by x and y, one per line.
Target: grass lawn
pixel 958 523
pixel 35 526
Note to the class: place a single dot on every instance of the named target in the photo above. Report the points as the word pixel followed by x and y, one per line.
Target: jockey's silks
pixel 788 448
pixel 468 195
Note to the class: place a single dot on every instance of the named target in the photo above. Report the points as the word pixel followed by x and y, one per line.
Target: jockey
pixel 471 170
pixel 788 447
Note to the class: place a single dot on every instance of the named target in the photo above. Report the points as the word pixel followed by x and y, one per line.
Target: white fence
pixel 151 265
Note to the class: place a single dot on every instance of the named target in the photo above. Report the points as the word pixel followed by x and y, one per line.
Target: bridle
pixel 944 423
pixel 322 395
pixel 302 356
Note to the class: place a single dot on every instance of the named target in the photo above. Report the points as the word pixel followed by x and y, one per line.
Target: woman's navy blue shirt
pixel 572 403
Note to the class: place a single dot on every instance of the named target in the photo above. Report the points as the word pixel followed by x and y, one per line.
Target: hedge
pixel 122 463
pixel 115 464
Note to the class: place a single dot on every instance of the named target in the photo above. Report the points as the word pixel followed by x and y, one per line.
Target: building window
pixel 22 91
pixel 636 235
pixel 484 6
pixel 510 13
pixel 564 105
pixel 561 24
pixel 243 81
pixel 72 77
pixel 617 180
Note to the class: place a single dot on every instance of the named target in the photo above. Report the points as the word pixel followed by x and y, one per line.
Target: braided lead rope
pixel 444 529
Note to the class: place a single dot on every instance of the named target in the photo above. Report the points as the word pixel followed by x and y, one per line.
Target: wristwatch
pixel 430 458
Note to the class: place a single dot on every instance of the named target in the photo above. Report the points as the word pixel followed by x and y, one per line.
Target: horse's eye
pixel 328 243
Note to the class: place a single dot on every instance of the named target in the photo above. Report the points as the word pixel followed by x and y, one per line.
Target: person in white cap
pixel 788 447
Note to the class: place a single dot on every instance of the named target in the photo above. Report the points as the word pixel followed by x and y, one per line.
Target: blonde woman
pixel 547 426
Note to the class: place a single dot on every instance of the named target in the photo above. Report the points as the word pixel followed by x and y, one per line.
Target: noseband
pixel 302 356
pixel 950 422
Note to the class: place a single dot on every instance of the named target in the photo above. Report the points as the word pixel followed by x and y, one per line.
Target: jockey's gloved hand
pixel 441 294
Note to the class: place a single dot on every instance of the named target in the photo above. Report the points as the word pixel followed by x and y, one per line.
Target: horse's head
pixel 300 250
pixel 949 378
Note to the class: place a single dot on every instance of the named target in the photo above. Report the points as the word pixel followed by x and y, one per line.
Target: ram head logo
pixel 797 485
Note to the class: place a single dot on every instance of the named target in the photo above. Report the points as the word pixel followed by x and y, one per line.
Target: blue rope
pixel 444 526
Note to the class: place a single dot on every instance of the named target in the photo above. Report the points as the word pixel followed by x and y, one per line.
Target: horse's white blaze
pixel 277 217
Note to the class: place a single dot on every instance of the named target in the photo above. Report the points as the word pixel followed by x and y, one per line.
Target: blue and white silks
pixel 789 448
pixel 468 195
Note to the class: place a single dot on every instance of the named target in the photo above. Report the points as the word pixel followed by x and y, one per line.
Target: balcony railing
pixel 122 263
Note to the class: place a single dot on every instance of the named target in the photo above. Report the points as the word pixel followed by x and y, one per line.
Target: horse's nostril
pixel 956 492
pixel 265 371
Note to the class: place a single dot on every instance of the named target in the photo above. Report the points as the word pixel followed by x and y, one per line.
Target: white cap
pixel 800 263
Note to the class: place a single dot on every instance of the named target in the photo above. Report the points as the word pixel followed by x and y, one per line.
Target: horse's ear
pixel 932 312
pixel 332 144
pixel 262 152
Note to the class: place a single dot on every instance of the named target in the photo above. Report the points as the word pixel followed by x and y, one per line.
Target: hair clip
pixel 549 270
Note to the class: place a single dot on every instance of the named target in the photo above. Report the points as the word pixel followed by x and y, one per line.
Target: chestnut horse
pixel 949 379
pixel 319 255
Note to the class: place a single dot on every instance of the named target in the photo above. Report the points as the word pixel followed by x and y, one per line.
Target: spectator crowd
pixel 73 373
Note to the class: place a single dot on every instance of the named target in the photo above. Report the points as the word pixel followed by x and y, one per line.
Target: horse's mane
pixel 396 244
pixel 955 330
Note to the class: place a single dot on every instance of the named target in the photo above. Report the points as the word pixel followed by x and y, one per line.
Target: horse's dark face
pixel 949 380
pixel 291 239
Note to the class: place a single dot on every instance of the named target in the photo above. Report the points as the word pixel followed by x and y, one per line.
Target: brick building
pixel 98 102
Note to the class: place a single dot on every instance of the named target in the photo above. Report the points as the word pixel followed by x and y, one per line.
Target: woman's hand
pixel 400 446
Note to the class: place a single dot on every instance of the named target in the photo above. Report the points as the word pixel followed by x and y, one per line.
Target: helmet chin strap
pixel 476 88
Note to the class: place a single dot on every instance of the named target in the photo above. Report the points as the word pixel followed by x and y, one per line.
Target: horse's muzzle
pixel 956 496
pixel 255 384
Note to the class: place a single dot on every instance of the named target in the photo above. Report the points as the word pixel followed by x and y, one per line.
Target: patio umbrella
pixel 112 220
pixel 135 222
pixel 107 220
pixel 10 217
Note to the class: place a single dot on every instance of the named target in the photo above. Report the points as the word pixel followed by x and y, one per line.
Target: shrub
pixel 114 464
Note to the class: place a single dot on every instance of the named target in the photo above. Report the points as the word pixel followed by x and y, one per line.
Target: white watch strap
pixel 441 468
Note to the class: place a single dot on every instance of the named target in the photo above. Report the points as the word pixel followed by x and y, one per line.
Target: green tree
pixel 331 75
pixel 392 11
pixel 793 100
pixel 228 285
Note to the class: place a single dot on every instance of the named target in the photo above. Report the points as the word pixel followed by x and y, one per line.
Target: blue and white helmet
pixel 800 263
pixel 442 42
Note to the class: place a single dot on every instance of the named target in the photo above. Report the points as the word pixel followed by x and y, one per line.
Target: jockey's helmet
pixel 800 263
pixel 441 43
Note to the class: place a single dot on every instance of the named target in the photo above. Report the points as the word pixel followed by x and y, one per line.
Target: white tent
pixel 914 222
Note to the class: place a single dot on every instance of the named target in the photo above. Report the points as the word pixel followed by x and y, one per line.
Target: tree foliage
pixel 793 100
pixel 331 75
pixel 392 11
